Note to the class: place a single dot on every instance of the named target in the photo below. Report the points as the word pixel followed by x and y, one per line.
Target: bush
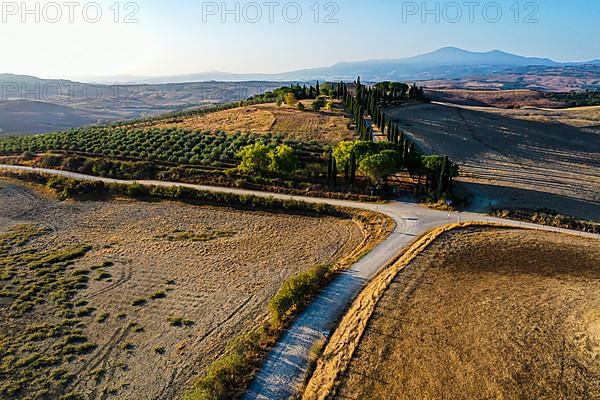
pixel 296 290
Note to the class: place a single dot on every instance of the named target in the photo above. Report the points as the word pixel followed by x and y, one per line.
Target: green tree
pixel 334 171
pixel 300 106
pixel 342 153
pixel 378 167
pixel 290 99
pixel 283 159
pixel 255 159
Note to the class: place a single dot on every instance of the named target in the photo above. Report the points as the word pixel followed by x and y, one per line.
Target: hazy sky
pixel 178 37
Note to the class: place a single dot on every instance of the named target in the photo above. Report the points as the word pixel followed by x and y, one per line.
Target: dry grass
pixel 161 309
pixel 485 313
pixel 325 126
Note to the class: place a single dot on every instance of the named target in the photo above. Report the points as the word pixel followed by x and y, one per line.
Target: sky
pixel 162 38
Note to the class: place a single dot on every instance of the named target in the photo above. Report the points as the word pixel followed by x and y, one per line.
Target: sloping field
pixel 154 299
pixel 512 162
pixel 587 118
pixel 494 98
pixel 486 313
pixel 325 126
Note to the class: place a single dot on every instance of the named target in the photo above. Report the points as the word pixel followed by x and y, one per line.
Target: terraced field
pixel 158 289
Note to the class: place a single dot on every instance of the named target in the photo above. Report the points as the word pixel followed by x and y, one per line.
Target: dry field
pixel 494 98
pixel 325 126
pixel 587 118
pixel 486 314
pixel 511 162
pixel 163 287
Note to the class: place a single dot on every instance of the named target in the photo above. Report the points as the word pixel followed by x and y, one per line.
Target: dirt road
pixel 287 364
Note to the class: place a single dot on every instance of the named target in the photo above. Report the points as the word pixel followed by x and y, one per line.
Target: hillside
pixel 328 127
pixel 494 98
pixel 38 117
pixel 509 162
pixel 33 105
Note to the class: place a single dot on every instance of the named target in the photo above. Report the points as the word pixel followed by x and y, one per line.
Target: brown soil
pixel 216 267
pixel 486 313
pixel 325 126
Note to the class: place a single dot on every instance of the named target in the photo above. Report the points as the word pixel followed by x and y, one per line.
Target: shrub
pixel 180 322
pixel 296 290
pixel 158 295
pixel 139 303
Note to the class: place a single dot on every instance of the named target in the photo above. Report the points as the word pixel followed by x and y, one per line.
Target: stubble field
pixel 486 313
pixel 155 290
pixel 507 161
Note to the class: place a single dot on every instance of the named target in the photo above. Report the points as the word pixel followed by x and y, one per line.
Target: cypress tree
pixel 443 177
pixel 318 89
pixel 334 170
pixel 352 167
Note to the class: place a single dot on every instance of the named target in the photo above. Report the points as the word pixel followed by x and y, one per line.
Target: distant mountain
pixel 445 63
pixel 52 104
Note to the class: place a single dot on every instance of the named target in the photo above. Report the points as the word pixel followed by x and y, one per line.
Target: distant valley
pixel 33 105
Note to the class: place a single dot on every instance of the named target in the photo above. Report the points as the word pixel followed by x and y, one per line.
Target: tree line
pixel 379 160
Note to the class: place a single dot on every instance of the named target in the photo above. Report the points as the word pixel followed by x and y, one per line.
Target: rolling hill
pixel 445 63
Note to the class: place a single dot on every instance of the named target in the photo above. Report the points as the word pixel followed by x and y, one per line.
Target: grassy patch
pixel 180 322
pixel 40 285
pixel 102 317
pixel 158 295
pixel 139 302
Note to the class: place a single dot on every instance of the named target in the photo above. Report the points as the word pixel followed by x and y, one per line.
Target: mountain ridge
pixel 427 66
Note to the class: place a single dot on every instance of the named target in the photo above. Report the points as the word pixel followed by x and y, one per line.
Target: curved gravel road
pixel 286 365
